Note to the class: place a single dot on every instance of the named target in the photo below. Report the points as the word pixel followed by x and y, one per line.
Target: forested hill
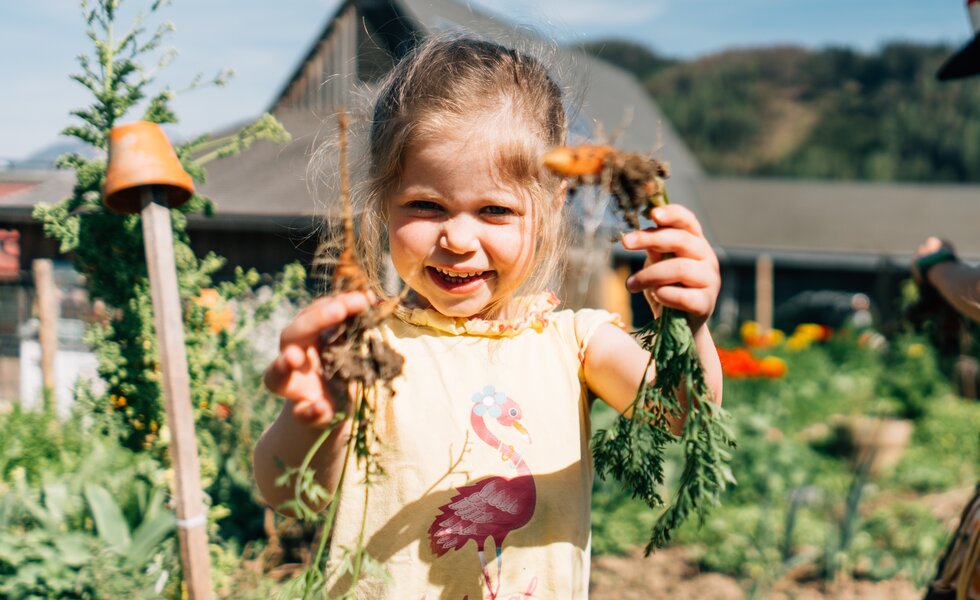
pixel 832 113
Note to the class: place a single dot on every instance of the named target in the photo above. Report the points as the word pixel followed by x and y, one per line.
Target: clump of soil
pixel 355 359
pixel 635 180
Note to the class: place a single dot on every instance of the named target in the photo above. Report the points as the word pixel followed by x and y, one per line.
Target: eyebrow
pixel 418 193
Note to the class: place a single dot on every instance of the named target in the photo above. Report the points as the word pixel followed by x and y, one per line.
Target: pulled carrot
pixel 577 161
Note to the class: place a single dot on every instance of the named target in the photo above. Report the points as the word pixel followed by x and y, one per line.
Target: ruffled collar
pixel 536 316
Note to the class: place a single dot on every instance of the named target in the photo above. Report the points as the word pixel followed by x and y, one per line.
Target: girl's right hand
pixel 296 373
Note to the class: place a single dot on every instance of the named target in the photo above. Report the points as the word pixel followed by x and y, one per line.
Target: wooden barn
pixel 775 238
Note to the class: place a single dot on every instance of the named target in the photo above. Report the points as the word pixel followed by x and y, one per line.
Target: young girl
pixel 488 473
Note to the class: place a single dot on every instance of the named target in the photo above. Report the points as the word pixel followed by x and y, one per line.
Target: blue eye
pixel 513 412
pixel 498 211
pixel 424 206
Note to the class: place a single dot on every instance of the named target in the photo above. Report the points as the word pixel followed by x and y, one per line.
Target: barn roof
pixel 21 190
pixel 819 223
pixel 269 180
pixel 839 222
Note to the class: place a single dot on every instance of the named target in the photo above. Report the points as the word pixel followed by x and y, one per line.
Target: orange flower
pixel 736 362
pixel 219 315
pixel 772 367
pixel 740 363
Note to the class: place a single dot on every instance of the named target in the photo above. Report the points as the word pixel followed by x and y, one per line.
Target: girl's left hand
pixel 690 279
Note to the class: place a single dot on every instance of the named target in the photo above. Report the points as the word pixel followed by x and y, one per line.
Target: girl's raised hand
pixel 295 373
pixel 690 279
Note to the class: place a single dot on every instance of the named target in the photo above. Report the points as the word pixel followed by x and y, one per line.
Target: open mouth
pixel 457 281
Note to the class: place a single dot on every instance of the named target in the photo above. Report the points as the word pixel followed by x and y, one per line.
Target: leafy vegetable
pixel 633 449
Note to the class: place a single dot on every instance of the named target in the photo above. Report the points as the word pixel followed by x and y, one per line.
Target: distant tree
pixel 636 58
pixel 832 113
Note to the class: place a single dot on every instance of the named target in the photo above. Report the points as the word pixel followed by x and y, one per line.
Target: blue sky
pixel 264 40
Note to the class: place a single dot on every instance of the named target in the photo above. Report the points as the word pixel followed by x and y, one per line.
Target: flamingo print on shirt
pixel 494 506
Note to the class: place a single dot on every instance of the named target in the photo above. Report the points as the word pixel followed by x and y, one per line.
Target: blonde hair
pixel 446 83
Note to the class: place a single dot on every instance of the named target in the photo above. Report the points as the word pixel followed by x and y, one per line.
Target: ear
pixel 561 194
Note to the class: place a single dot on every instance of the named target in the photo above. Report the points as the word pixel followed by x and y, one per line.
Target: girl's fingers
pixel 676 216
pixel 275 376
pixel 293 357
pixel 321 314
pixel 674 271
pixel 295 373
pixel 314 413
pixel 307 411
pixel 665 240
pixel 690 300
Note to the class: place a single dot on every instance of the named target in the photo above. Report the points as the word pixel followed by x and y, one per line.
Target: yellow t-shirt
pixel 488 472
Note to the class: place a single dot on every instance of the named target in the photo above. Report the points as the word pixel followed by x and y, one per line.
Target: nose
pixel 460 235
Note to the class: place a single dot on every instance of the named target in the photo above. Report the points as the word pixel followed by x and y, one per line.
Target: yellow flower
pixel 810 330
pixel 752 335
pixel 915 350
pixel 798 342
pixel 748 330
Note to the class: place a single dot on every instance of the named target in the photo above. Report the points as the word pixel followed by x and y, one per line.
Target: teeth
pixel 457 277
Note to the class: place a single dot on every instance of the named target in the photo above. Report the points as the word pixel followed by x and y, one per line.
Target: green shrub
pixel 88 521
pixel 901 538
pixel 945 448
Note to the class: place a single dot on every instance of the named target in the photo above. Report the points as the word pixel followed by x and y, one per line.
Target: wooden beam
pixel 191 516
pixel 763 292
pixel 47 314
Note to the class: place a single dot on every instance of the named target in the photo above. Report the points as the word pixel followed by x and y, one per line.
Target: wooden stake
pixel 47 314
pixel 191 516
pixel 763 292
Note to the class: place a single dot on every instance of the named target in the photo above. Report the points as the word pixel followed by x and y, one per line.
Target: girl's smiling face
pixel 460 235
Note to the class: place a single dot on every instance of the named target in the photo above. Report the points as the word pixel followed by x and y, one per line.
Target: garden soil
pixel 673 573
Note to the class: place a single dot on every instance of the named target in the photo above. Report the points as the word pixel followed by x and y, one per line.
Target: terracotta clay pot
pixel 140 155
pixel 877 443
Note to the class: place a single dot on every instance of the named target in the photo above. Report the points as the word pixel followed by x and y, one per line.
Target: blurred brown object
pixel 9 254
pixel 950 333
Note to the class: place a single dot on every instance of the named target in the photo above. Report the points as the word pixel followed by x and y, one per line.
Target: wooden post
pixel 47 313
pixel 763 292
pixel 191 516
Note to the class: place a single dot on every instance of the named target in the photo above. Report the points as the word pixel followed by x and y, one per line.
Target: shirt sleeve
pixel 587 321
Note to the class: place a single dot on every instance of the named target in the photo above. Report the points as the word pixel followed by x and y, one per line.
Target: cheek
pixel 517 248
pixel 408 239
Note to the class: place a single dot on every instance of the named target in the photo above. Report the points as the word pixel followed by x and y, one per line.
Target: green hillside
pixel 831 113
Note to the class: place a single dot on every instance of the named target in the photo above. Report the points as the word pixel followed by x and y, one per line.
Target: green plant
pixel 800 504
pixel 765 525
pixel 909 378
pixel 902 538
pixel 105 246
pixel 944 451
pixel 619 521
pixel 220 320
pixel 633 449
pixel 91 522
